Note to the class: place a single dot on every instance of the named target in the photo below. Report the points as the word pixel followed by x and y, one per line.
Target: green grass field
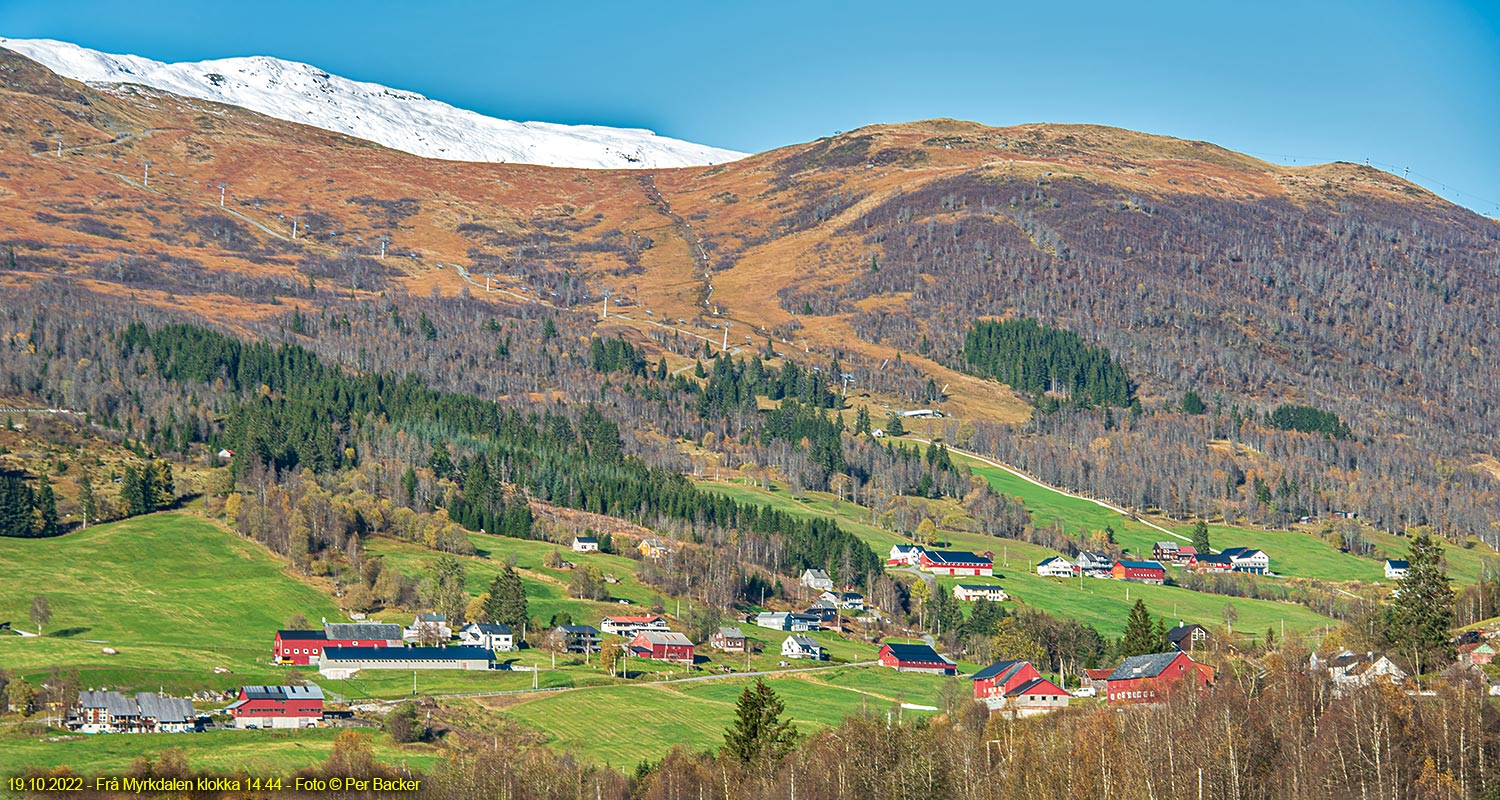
pixel 261 753
pixel 644 722
pixel 174 593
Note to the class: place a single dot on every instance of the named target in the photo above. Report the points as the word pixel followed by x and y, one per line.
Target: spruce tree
pixel 1140 637
pixel 1192 403
pixel 893 426
pixel 1200 537
pixel 862 420
pixel 759 733
pixel 46 509
pixel 15 506
pixel 1420 617
pixel 507 603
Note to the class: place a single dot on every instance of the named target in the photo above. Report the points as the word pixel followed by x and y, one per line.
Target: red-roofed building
pixel 1148 679
pixel 955 562
pixel 662 646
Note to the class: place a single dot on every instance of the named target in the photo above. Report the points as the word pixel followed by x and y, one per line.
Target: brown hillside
pixel 756 243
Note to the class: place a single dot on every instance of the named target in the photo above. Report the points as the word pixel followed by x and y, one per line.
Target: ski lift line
pixel 1426 179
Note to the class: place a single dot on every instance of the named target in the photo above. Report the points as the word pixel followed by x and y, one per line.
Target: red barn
pixel 662 646
pixel 1146 679
pixel 915 658
pixel 277 707
pixel 303 648
pixel 1016 689
pixel 994 680
pixel 1145 571
pixel 955 562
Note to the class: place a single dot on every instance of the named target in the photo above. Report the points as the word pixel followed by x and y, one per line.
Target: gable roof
pixel 814 573
pixel 362 630
pixel 490 628
pixel 290 636
pixel 1241 552
pixel 286 692
pixel 981 587
pixel 1036 686
pixel 1047 561
pixel 1148 666
pixel 579 630
pixel 665 638
pixel 586 539
pixel 954 557
pixel 916 652
pixel 997 669
pixel 1167 545
pixel 165 709
pixel 730 632
pixel 638 620
pixel 1181 632
pixel 1398 563
pixel 804 642
pixel 1141 565
pixel 405 654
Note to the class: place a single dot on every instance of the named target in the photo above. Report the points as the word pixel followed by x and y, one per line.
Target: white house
pixel 428 626
pixel 854 601
pixel 974 591
pixel 787 621
pixel 904 554
pixel 585 544
pixel 1395 568
pixel 1351 670
pixel 1093 561
pixel 801 647
pixel 494 637
pixel 1247 559
pixel 1055 567
pixel 816 579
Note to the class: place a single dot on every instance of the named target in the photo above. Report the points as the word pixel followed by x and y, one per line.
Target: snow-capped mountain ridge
pixel 399 119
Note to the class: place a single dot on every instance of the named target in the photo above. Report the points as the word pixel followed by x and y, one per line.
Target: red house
pixel 303 648
pixel 662 646
pixel 1146 679
pixel 955 562
pixel 277 707
pixel 1016 688
pixel 915 658
pixel 1145 571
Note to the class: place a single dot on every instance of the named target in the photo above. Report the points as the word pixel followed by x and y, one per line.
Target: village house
pixel 955 562
pixel 662 646
pixel 1147 679
pixel 428 628
pixel 278 707
pixel 817 580
pixel 728 639
pixel 1093 562
pixel 1143 571
pixel 585 544
pixel 908 555
pixel 580 638
pixel 1016 689
pixel 492 636
pixel 915 658
pixel 969 592
pixel 629 626
pixel 1482 654
pixel 787 621
pixel 1164 551
pixel 851 601
pixel 1056 567
pixel 1350 670
pixel 825 611
pixel 1396 568
pixel 344 662
pixel 1187 637
pixel 1247 559
pixel 653 548
pixel 801 647
pixel 1096 681
pixel 1212 562
pixel 146 712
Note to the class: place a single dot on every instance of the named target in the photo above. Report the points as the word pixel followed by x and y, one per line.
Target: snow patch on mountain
pixel 397 119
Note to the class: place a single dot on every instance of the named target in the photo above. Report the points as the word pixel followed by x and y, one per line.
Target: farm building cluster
pixel 1154 570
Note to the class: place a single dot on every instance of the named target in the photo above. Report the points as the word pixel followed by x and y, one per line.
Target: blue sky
pixel 1413 84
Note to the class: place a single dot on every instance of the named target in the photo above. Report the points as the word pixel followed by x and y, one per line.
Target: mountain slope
pixel 398 119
